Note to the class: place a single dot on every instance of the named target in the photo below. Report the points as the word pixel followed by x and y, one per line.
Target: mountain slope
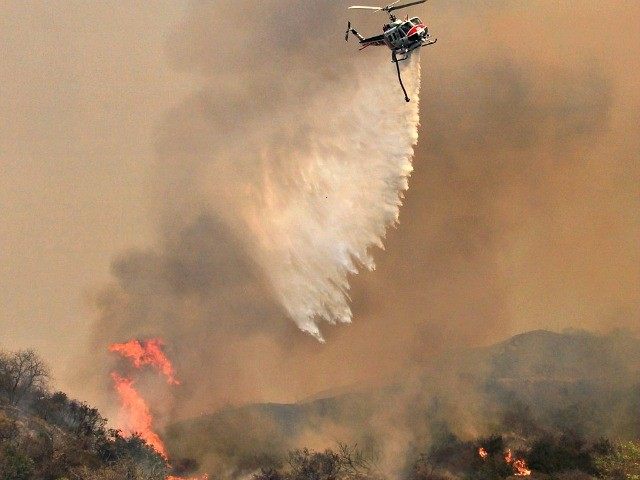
pixel 534 382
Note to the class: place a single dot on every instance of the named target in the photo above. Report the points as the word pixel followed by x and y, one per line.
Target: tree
pixel 21 374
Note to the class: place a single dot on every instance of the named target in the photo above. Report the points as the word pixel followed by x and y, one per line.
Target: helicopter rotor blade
pixel 377 9
pixel 391 7
pixel 363 7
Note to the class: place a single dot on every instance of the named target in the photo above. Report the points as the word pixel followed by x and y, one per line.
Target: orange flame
pixel 138 416
pixel 508 457
pixel 147 352
pixel 519 466
pixel 203 477
pixel 483 453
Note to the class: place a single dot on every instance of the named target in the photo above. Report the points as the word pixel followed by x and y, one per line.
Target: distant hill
pixel 579 382
pixel 532 383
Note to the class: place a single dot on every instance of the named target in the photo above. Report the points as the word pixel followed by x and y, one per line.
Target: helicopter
pixel 400 36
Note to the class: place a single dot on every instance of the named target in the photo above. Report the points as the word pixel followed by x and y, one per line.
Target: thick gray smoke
pixel 310 181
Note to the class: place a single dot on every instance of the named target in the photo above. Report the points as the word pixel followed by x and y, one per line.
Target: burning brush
pixel 139 418
pixel 134 408
pixel 519 466
pixel 147 352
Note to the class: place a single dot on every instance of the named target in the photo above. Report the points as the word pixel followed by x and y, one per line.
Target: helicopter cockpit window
pixel 416 21
pixel 405 28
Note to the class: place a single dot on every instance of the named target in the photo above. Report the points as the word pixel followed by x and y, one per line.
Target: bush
pixel 14 465
pixel 561 454
pixel 347 463
pixel 116 449
pixel 8 428
pixel 622 463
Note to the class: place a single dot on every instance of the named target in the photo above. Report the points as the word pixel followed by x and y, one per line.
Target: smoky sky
pixel 522 210
pixel 512 220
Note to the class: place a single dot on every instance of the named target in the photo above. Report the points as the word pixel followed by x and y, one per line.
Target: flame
pixel 147 352
pixel 508 457
pixel 520 468
pixel 138 416
pixel 133 407
pixel 483 453
pixel 203 477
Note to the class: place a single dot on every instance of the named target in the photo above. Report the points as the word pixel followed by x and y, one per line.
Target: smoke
pixel 272 186
pixel 307 181
pixel 272 192
pixel 311 191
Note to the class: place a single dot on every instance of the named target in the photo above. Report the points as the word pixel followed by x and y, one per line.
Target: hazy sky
pixel 523 211
pixel 83 85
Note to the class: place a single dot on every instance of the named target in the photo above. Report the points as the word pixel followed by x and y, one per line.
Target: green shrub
pixel 622 463
pixel 14 465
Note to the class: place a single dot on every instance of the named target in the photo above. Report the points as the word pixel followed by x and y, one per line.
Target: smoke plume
pixel 521 207
pixel 312 183
pixel 311 191
pixel 271 195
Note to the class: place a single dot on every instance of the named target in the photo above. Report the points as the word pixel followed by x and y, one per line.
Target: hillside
pixel 536 383
pixel 549 398
pixel 48 436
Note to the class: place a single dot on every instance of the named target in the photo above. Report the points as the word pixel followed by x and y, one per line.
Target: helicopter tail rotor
pixel 353 31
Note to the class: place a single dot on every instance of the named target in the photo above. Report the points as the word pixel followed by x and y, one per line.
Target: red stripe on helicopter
pixel 417 29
